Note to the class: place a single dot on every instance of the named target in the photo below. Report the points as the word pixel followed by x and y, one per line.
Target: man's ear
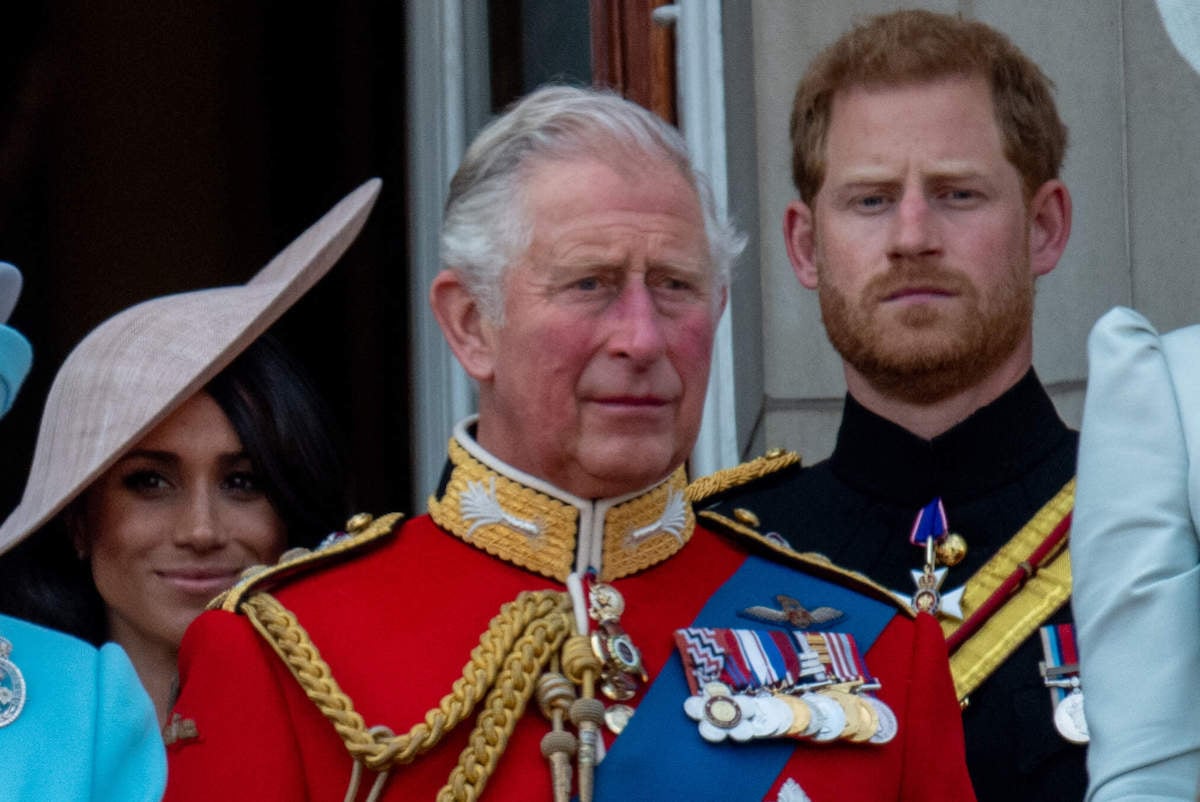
pixel 1049 226
pixel 470 336
pixel 801 244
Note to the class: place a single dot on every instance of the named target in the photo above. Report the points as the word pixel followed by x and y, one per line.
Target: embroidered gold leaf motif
pixel 673 521
pixel 480 506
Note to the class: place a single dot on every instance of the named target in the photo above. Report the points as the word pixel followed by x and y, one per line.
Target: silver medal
pixel 1069 720
pixel 832 716
pixel 816 720
pixel 888 726
pixel 12 686
pixel 616 717
pixel 773 717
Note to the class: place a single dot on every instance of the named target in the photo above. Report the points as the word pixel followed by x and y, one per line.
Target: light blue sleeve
pixel 87 732
pixel 1136 561
pixel 131 762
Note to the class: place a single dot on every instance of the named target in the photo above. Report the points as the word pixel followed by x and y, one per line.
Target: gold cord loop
pixel 514 650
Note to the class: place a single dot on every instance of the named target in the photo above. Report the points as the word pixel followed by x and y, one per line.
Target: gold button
pixel 359 522
pixel 745 516
pixel 775 453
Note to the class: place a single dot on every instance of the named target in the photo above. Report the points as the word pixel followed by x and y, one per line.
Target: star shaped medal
pixel 930 532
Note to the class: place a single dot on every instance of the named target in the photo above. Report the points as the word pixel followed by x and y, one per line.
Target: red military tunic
pixel 396 618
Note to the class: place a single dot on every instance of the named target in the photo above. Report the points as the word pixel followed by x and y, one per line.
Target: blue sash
pixel 660 754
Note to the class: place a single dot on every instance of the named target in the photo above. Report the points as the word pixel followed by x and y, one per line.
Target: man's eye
pixel 588 283
pixel 675 283
pixel 871 203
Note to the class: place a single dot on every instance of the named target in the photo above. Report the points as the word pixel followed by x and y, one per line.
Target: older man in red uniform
pixel 557 626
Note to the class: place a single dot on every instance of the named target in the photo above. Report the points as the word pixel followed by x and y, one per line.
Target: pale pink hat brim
pixel 135 368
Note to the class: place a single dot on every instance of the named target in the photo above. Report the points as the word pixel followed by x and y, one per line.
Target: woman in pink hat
pixel 177 449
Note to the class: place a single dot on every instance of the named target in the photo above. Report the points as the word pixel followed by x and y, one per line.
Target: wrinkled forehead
pixel 641 205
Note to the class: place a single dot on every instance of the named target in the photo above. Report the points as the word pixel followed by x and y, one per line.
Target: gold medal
pixel 864 716
pixel 852 729
pixel 868 717
pixel 722 711
pixel 801 715
pixel 605 603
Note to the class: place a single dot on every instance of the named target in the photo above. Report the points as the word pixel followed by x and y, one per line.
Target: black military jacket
pixel 993 471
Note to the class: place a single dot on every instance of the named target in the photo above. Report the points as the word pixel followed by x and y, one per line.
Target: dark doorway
pixel 153 147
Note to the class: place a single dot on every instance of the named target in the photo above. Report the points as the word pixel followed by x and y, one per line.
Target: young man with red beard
pixel 926 153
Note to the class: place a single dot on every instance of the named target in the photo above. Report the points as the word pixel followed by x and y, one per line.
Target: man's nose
pixel 637 324
pixel 915 229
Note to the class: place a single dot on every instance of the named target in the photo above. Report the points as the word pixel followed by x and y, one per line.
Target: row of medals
pixel 830 713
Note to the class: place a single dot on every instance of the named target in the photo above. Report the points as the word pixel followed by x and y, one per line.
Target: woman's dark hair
pixel 294 445
pixel 291 437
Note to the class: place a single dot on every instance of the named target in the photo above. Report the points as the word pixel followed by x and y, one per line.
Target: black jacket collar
pixel 990 448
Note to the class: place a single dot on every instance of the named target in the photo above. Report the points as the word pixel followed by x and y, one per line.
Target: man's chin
pixel 925 373
pixel 621 465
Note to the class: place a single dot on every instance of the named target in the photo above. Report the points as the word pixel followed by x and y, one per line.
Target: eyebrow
pixel 171 458
pixel 871 175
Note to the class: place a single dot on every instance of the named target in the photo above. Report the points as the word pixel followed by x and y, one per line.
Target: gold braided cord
pixel 506 703
pixel 514 638
pixel 773 461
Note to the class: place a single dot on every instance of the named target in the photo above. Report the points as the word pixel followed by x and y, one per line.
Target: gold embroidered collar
pixel 530 523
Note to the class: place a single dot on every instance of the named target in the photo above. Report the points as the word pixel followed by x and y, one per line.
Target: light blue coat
pixel 1136 560
pixel 88 730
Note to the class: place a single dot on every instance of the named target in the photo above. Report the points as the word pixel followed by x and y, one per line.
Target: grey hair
pixel 484 227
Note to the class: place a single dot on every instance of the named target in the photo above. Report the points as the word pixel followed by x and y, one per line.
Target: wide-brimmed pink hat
pixel 135 368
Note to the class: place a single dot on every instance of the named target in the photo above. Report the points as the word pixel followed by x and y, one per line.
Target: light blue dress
pixel 87 731
pixel 1136 560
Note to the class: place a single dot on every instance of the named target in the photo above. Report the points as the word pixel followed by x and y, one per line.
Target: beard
pixel 925 353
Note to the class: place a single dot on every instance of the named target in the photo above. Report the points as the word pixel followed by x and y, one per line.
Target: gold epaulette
pixel 361 530
pixel 775 460
pixel 810 562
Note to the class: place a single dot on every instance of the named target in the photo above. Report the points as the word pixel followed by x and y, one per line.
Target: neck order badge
pixel 930 532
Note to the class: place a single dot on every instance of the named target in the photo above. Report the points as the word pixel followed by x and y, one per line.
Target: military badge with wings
pixel 792 613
